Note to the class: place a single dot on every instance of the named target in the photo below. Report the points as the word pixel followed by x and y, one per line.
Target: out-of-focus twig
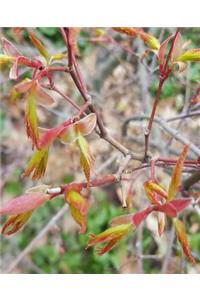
pixel 163 124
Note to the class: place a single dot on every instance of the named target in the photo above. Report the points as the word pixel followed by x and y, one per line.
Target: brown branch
pixel 194 178
pixel 176 134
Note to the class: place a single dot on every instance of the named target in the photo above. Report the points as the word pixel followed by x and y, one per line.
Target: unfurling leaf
pixel 42 97
pixel 78 208
pixel 31 120
pixel 190 55
pixel 161 222
pixel 162 50
pixel 154 192
pixel 182 237
pixel 86 158
pixel 39 46
pixel 37 164
pixel 149 40
pixel 34 88
pixel 57 57
pixel 140 216
pixel 9 48
pixel 83 126
pixel 24 203
pixel 173 207
pixel 111 236
pixel 86 125
pixel 15 223
pixel 131 31
pixel 176 175
pixel 177 48
pixel 49 135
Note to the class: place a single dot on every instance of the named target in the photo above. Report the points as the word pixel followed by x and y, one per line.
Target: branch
pixel 163 76
pixel 177 135
pixel 194 178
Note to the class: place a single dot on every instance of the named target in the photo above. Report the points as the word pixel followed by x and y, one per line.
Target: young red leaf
pixel 9 48
pixel 141 216
pixel 111 235
pixel 177 49
pixel 23 86
pixel 162 50
pixel 168 208
pixel 180 203
pixel 176 175
pixel 78 208
pixel 24 203
pixel 182 237
pixel 41 96
pixel 15 223
pixel 49 135
pixel 37 164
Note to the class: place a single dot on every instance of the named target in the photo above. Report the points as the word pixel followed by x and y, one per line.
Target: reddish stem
pixel 165 74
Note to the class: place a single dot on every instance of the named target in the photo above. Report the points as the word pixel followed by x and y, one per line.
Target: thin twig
pixel 176 134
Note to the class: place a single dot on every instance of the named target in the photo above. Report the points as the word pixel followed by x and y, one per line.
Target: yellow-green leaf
pixel 31 120
pixel 6 59
pixel 38 45
pixel 37 164
pixel 86 158
pixel 15 223
pixel 190 55
pixel 78 208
